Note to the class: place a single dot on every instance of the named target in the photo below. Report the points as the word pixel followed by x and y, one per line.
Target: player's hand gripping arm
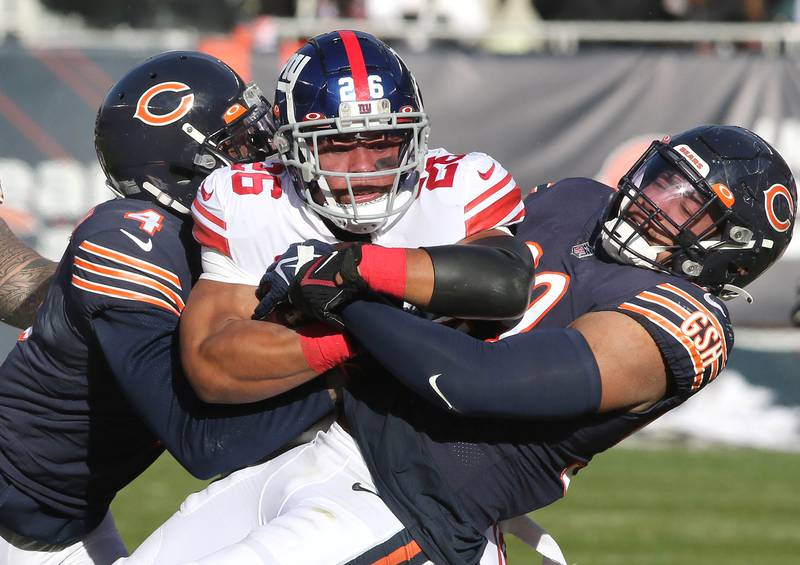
pixel 24 279
pixel 489 275
pixel 559 373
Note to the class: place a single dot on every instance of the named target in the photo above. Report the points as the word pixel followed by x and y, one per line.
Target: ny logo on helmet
pixel 770 197
pixel 184 106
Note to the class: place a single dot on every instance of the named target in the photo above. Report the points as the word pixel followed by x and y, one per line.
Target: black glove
pixel 273 289
pixel 316 292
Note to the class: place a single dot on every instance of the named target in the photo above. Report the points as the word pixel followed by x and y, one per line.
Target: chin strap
pixel 165 199
pixel 732 292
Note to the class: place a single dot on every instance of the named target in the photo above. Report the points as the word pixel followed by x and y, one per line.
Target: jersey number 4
pixel 150 221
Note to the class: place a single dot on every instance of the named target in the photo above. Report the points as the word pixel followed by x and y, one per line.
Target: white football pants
pixel 312 505
pixel 101 547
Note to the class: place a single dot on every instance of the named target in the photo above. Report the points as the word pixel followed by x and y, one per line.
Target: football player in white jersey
pixel 354 166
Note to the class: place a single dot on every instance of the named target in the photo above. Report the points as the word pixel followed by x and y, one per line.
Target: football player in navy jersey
pixel 627 322
pixel 93 393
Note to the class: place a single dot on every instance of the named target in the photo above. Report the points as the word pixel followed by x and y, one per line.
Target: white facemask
pixel 616 232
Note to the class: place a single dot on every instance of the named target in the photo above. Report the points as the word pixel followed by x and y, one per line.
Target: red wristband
pixel 324 347
pixel 384 269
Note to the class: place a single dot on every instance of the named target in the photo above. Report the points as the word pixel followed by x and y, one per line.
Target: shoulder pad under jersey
pixel 228 192
pixel 488 193
pixel 129 253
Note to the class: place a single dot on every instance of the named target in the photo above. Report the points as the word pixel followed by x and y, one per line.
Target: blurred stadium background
pixel 551 89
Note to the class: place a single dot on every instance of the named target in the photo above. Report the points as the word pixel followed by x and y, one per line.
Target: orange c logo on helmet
pixel 143 110
pixel 724 193
pixel 770 197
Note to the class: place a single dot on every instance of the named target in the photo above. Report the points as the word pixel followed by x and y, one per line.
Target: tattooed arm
pixel 24 278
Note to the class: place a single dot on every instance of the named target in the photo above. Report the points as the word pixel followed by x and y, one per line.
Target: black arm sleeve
pixel 142 352
pixel 490 278
pixel 541 374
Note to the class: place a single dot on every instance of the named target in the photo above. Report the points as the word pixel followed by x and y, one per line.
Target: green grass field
pixel 666 506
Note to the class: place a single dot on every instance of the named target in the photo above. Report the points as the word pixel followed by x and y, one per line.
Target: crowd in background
pixel 206 14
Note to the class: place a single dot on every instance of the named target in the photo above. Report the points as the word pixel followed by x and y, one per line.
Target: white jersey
pixel 247 215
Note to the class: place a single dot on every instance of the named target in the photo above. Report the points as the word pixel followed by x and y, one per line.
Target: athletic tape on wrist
pixel 384 269
pixel 324 347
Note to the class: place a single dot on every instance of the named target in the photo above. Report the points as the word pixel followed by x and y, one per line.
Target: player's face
pixel 668 204
pixel 247 141
pixel 360 153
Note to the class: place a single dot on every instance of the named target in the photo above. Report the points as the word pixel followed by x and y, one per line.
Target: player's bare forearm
pixel 24 278
pixel 248 361
pixel 484 277
pixel 229 358
pixel 419 278
pixel 420 272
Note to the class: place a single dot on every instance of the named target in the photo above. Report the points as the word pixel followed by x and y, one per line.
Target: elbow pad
pixel 491 278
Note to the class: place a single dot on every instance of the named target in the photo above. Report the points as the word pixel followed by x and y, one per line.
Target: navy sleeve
pixel 540 374
pixel 142 353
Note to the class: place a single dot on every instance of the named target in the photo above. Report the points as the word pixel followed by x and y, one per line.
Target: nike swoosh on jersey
pixel 487 174
pixel 146 246
pixel 432 381
pixel 358 487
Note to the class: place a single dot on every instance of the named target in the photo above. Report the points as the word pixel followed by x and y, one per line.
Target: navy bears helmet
pixel 715 205
pixel 349 83
pixel 172 120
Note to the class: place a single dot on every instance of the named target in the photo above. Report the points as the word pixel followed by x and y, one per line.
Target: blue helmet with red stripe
pixel 350 87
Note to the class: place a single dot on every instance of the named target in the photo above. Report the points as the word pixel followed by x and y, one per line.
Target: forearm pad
pixel 543 374
pixel 490 278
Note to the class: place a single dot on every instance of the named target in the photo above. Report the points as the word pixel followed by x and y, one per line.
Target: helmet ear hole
pixel 181 174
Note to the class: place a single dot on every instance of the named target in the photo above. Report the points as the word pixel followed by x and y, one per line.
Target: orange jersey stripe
pixel 123 294
pixel 675 332
pixel 700 306
pixel 400 555
pixel 673 307
pixel 137 264
pixel 131 277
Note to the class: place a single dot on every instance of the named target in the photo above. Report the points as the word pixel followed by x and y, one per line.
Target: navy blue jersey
pixel 449 478
pixel 93 393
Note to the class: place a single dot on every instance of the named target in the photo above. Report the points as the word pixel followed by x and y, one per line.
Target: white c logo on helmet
pixel 770 196
pixel 143 110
